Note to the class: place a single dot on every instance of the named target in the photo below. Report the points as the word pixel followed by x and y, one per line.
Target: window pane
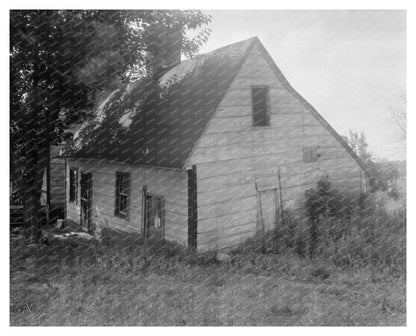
pixel 260 110
pixel 119 184
pixel 124 184
pixel 123 203
pixel 122 193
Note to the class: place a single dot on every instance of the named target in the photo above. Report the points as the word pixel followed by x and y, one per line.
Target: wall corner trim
pixel 192 209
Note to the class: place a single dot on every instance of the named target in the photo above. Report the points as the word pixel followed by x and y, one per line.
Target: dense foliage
pixel 59 62
pixel 383 174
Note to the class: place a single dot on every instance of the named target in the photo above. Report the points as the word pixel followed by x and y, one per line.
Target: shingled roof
pixel 157 123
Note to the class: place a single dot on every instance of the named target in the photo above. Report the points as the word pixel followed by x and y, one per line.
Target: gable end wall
pixel 232 154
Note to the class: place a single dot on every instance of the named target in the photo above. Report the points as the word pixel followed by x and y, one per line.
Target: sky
pixel 350 65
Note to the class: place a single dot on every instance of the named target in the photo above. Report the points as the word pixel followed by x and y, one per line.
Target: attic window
pixel 310 154
pixel 122 194
pixel 261 106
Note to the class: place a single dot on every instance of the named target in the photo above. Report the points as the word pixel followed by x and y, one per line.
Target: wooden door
pixel 155 217
pixel 268 209
pixel 86 201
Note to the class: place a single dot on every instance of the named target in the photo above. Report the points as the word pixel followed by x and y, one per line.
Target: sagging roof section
pixel 157 123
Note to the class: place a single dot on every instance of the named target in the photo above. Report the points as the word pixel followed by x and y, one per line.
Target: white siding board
pixel 224 208
pixel 222 194
pixel 228 220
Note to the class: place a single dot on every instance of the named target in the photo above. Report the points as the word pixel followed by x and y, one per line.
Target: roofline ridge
pixel 254 38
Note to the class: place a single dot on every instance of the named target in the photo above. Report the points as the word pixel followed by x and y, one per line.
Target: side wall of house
pixel 232 156
pixel 172 184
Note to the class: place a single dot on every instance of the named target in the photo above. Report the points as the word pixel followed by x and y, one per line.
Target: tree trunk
pixel 35 163
pixel 32 189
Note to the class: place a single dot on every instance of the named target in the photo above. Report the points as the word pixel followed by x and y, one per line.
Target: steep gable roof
pixel 157 124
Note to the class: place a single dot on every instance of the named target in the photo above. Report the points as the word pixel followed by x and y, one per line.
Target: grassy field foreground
pixel 123 282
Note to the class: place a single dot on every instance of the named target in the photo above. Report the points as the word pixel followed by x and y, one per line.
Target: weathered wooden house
pixel 206 155
pixel 53 189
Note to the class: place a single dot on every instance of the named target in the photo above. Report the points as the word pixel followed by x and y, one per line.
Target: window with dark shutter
pixel 73 185
pixel 122 194
pixel 260 101
pixel 310 154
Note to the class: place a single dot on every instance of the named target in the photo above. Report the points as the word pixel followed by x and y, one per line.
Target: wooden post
pixel 276 201
pixel 280 195
pixel 263 230
pixel 48 183
pixel 66 193
pixel 144 213
pixel 192 209
pixel 48 167
pixel 261 213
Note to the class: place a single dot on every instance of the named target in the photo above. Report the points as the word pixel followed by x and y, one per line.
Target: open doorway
pixel 86 201
pixel 155 217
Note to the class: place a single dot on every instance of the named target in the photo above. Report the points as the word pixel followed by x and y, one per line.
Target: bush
pixel 352 232
pixel 349 231
pixel 327 201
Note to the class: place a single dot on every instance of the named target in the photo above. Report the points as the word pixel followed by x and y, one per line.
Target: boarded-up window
pixel 122 194
pixel 260 100
pixel 73 185
pixel 310 154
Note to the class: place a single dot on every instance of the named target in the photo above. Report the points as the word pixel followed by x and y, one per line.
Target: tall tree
pixel 358 143
pixel 398 112
pixel 383 174
pixel 60 60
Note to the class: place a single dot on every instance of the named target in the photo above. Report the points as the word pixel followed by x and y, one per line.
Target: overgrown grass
pixel 122 281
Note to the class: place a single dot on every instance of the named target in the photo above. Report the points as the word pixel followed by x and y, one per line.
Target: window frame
pixel 268 105
pixel 312 153
pixel 73 199
pixel 126 194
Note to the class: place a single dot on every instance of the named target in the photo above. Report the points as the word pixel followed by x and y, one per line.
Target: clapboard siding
pixel 258 135
pixel 172 184
pixel 235 205
pixel 267 147
pixel 254 135
pixel 225 194
pixel 226 181
pixel 228 220
pixel 232 153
